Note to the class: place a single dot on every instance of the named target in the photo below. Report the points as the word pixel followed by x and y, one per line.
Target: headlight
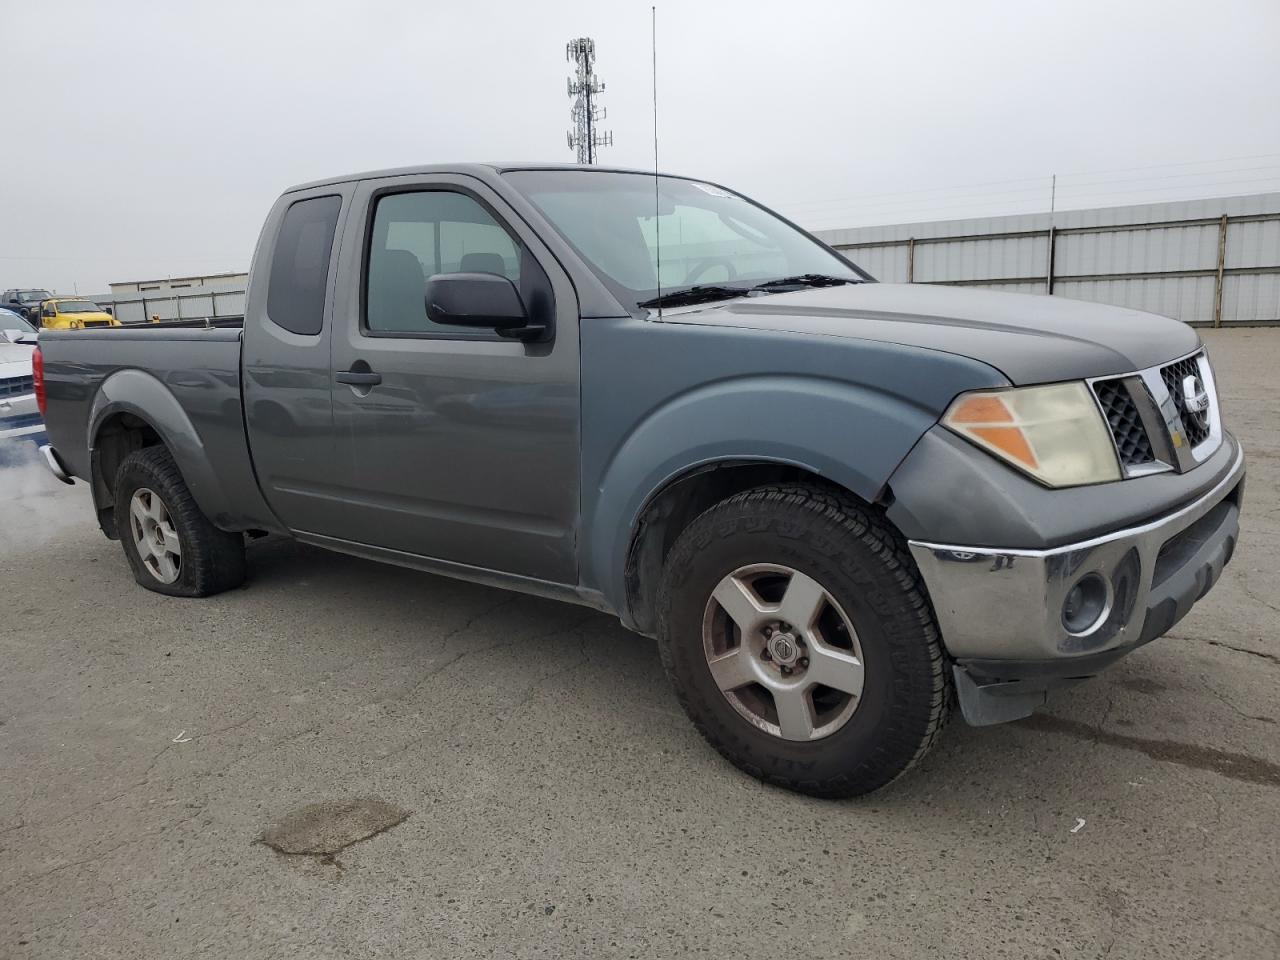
pixel 1055 433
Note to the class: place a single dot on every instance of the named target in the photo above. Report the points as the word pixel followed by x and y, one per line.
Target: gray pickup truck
pixel 840 506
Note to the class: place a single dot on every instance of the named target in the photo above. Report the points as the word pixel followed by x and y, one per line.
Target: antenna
pixel 583 88
pixel 657 221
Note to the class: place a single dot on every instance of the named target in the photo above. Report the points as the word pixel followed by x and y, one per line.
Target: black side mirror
pixel 480 300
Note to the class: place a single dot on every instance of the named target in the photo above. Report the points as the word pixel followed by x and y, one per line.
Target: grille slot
pixel 1173 375
pixel 1132 443
pixel 17 386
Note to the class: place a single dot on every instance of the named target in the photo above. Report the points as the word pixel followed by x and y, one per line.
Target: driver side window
pixel 418 235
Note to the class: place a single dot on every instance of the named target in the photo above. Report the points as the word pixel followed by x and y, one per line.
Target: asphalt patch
pixel 323 829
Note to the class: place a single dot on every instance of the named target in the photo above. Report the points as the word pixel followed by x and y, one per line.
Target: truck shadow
pixel 1057 734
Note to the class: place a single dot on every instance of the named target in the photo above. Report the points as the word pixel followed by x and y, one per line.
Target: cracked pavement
pixel 560 805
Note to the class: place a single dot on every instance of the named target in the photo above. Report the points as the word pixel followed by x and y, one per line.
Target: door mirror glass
pixel 474 300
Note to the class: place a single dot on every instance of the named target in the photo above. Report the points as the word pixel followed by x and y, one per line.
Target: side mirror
pixel 480 300
pixel 109 311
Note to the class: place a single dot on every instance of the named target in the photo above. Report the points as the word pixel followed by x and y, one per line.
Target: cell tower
pixel 583 88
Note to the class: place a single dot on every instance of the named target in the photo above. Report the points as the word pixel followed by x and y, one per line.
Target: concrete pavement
pixel 559 804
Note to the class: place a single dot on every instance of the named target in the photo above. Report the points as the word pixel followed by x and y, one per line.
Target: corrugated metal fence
pixel 199 303
pixel 1213 261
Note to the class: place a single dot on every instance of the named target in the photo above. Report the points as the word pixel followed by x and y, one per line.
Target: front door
pixel 460 445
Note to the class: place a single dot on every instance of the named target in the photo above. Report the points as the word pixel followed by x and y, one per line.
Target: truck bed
pixel 185 377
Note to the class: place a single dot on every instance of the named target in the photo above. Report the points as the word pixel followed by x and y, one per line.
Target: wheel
pixel 172 547
pixel 794 627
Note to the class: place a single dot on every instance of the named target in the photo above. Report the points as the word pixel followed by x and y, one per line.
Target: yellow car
pixel 74 314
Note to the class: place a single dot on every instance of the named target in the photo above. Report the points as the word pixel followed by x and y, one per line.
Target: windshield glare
pixel 30 296
pixel 708 235
pixel 78 306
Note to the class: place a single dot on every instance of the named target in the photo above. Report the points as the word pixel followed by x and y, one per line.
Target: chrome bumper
pixel 996 605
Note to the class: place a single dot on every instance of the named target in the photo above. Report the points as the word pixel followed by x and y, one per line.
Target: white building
pixel 180 286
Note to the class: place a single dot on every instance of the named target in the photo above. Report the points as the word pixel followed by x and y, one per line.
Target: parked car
pixel 59 313
pixel 25 303
pixel 15 328
pixel 21 425
pixel 840 506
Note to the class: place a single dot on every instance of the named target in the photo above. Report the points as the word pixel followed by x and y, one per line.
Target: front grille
pixel 1174 375
pixel 16 386
pixel 1132 443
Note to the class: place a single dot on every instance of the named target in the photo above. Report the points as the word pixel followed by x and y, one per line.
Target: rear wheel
pixel 171 546
pixel 799 640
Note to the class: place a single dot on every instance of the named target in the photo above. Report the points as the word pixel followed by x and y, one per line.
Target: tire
pixel 202 560
pixel 873 630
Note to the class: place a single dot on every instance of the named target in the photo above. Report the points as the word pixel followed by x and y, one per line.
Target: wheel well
pixel 117 437
pixel 678 504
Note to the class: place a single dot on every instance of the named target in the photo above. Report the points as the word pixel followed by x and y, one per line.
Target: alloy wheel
pixel 783 652
pixel 155 536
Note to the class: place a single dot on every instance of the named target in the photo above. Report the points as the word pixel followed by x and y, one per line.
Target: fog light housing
pixel 1087 605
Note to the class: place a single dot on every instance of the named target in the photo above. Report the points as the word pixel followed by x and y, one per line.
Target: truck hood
pixel 1030 339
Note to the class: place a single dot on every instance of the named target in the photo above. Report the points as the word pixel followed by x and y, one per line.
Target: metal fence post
pixel 1048 273
pixel 911 259
pixel 1222 262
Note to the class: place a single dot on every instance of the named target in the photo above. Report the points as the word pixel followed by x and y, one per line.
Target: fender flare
pixel 852 435
pixel 144 396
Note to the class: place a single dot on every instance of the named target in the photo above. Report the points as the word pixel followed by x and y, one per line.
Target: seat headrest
pixel 483 263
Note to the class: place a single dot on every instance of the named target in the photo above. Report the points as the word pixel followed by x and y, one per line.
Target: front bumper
pixel 1001 610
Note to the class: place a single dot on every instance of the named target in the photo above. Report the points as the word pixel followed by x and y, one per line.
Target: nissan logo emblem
pixel 1195 399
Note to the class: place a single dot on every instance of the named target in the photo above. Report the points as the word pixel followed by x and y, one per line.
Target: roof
pixel 194 276
pixel 481 170
pixel 1166 211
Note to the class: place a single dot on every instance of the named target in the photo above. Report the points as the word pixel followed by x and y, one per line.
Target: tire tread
pixel 903 749
pixel 213 560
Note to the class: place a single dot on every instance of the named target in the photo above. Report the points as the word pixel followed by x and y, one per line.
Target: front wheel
pixel 171 546
pixel 798 637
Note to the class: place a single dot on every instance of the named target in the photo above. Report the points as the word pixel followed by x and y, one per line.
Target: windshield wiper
pixel 805 280
pixel 701 293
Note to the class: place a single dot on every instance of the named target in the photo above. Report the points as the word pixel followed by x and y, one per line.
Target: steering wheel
pixel 702 267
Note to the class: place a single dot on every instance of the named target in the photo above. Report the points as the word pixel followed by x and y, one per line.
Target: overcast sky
pixel 149 139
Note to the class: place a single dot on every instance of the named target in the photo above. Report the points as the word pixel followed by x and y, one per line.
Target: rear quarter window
pixel 300 265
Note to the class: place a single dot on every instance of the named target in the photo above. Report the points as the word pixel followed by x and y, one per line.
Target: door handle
pixel 358 378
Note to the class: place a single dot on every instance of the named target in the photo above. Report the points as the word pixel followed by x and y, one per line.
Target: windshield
pixel 31 296
pixel 708 235
pixel 12 321
pixel 78 306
